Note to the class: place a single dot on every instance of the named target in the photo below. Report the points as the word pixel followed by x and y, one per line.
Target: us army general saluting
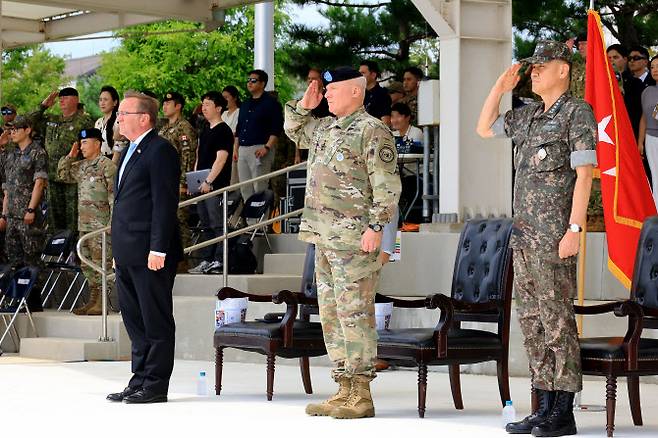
pixel 353 188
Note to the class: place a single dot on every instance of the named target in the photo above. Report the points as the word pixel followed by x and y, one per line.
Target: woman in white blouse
pixel 230 117
pixel 108 102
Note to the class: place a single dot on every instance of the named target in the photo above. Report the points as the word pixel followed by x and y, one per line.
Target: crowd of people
pixel 57 169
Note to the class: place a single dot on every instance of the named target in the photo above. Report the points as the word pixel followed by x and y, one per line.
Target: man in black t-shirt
pixel 377 102
pixel 214 152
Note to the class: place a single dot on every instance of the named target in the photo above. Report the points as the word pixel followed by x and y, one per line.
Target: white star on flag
pixel 603 124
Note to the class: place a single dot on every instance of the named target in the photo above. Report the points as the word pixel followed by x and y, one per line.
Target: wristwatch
pixel 30 210
pixel 376 227
pixel 575 228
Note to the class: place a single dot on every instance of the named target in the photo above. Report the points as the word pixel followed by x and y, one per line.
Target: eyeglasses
pixel 126 113
pixel 252 80
pixel 6 112
pixel 14 128
pixel 636 58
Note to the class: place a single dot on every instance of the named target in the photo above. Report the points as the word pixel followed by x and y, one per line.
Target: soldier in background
pixel 352 192
pixel 95 179
pixel 554 156
pixel 60 131
pixel 182 135
pixel 578 62
pixel 23 181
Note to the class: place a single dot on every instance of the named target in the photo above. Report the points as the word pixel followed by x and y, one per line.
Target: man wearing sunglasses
pixel 59 132
pixel 8 112
pixel 259 125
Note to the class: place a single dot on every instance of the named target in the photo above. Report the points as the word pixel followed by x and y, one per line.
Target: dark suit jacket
pixel 633 88
pixel 145 204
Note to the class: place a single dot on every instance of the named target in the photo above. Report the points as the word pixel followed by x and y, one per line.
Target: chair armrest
pixel 650 311
pixel 286 296
pixel 596 309
pixel 229 292
pixel 446 305
pixel 408 304
pixel 292 300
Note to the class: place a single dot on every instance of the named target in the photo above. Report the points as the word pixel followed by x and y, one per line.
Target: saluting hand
pixel 312 96
pixel 508 80
pixel 50 100
pixel 75 150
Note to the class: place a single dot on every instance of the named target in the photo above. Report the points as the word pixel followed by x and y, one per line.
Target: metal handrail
pixel 105 275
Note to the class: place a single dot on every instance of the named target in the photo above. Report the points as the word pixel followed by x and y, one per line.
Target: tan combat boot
pixel 359 404
pixel 94 304
pixel 326 407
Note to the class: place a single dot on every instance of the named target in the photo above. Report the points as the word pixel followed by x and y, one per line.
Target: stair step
pixel 69 349
pixel 291 264
pixel 208 285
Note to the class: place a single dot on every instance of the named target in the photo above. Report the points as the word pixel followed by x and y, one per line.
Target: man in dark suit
pixel 146 245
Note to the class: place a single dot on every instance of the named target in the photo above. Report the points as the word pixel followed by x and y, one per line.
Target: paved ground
pixel 68 399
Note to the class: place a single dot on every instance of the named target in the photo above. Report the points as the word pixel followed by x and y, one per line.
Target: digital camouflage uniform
pixel 21 169
pixel 352 182
pixel 59 134
pixel 182 135
pixel 548 146
pixel 95 180
pixel 412 102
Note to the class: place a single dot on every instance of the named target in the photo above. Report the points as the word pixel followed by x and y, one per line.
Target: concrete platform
pixel 51 392
pixel 70 349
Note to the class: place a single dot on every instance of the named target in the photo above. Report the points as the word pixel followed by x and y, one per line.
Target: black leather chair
pixel 277 334
pixel 631 355
pixel 482 292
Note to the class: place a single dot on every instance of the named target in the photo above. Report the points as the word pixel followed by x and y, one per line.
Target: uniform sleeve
pixel 296 119
pixel 381 161
pixel 188 141
pixel 65 170
pixel 503 125
pixel 109 174
pixel 41 165
pixel 583 137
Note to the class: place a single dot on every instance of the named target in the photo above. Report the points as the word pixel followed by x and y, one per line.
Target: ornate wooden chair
pixel 276 334
pixel 481 292
pixel 632 355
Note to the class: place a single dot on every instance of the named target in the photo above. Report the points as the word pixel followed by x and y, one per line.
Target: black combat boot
pixel 561 421
pixel 546 399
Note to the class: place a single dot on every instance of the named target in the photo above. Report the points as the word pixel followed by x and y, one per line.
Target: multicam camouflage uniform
pixel 95 179
pixel 59 134
pixel 182 135
pixel 353 182
pixel 548 147
pixel 577 85
pixel 21 169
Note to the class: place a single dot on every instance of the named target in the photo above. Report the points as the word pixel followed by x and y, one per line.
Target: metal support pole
pixel 435 177
pixel 104 337
pixel 264 40
pixel 426 173
pixel 225 242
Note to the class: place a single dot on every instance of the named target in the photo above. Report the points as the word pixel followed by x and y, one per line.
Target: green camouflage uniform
pixel 412 102
pixel 95 180
pixel 182 135
pixel 59 134
pixel 21 169
pixel 577 85
pixel 548 146
pixel 353 182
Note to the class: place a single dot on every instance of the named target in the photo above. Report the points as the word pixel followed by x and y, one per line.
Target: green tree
pixel 28 75
pixel 183 57
pixel 89 88
pixel 390 32
pixel 630 21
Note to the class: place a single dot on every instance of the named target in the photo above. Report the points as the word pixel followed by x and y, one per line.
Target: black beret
pixel 68 91
pixel 176 97
pixel 340 74
pixel 90 133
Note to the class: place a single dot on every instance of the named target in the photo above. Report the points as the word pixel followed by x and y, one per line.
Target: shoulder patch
pixel 386 154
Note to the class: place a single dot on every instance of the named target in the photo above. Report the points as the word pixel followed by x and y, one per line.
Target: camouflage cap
pixel 8 108
pixel 90 133
pixel 20 122
pixel 395 87
pixel 547 50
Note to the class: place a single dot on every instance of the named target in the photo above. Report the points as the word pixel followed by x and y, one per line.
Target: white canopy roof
pixel 36 21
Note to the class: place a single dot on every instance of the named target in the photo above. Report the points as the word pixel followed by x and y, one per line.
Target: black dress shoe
pixel 119 396
pixel 145 395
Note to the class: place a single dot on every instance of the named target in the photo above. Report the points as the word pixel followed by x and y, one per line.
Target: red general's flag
pixel 627 199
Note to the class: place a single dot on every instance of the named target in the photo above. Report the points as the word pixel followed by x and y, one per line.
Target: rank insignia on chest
pixel 541 153
pixel 92 179
pixel 340 157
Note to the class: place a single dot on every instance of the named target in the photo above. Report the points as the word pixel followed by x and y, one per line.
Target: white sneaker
pixel 200 268
pixel 213 268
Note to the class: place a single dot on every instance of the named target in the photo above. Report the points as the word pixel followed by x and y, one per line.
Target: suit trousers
pixel 146 303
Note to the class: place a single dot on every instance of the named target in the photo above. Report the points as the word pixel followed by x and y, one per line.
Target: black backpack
pixel 241 257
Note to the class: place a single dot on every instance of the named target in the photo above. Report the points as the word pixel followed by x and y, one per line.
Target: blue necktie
pixel 129 154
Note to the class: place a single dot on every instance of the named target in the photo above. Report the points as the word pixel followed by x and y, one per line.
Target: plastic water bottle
pixel 509 413
pixel 202 384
